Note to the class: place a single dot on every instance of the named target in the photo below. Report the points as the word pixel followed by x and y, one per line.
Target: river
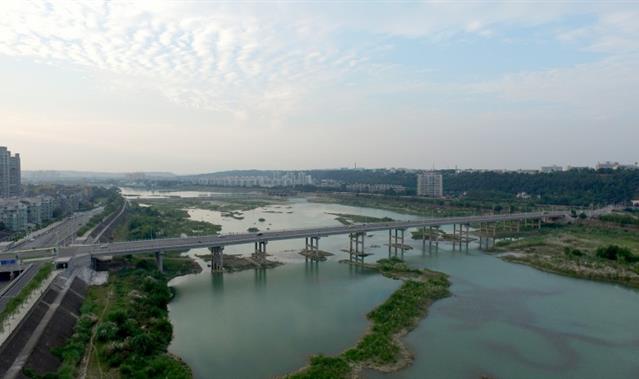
pixel 503 320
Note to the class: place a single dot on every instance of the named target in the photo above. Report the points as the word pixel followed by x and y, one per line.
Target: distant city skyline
pixel 196 87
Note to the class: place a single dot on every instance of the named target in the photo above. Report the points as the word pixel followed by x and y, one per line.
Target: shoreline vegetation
pixel 149 222
pixel 597 250
pixel 230 206
pixel 381 347
pixel 424 206
pixel 350 219
pixel 124 328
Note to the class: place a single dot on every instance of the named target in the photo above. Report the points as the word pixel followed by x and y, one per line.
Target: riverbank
pixel 381 347
pixel 131 330
pixel 424 206
pixel 124 329
pixel 578 250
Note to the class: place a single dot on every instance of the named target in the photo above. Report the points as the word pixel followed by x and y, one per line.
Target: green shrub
pixel 570 252
pixel 323 367
pixel 616 253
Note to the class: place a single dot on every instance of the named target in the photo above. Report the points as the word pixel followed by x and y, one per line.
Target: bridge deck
pixel 167 244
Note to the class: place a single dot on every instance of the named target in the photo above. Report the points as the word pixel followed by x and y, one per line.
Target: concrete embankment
pixel 47 326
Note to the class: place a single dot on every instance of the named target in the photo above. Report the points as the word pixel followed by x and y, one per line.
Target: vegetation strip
pixel 34 284
pixel 380 347
pixel 349 219
pixel 112 201
pixel 158 222
pixel 134 331
pixel 602 250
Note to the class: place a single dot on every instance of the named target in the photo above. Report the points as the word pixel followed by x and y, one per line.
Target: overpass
pixel 356 232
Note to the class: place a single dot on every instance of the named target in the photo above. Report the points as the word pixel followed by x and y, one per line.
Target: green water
pixel 503 320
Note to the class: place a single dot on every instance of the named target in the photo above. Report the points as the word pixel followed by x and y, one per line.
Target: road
pixel 168 244
pixel 14 288
pixel 63 231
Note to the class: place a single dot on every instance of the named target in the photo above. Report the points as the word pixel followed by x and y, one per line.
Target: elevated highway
pixel 216 241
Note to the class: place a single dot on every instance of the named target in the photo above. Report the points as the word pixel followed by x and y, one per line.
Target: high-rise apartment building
pixel 15 176
pixel 430 183
pixel 10 174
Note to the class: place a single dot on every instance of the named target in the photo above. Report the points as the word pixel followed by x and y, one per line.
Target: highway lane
pixel 65 230
pixel 13 289
pixel 167 244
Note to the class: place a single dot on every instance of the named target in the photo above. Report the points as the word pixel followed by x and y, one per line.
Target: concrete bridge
pixel 356 233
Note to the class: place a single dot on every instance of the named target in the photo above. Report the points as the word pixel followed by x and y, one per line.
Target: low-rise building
pixel 549 169
pixel 375 188
pixel 13 214
pixel 607 165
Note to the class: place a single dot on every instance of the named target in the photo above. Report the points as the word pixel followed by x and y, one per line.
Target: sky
pixel 192 87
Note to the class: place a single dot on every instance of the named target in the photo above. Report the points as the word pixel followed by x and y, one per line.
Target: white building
pixel 13 214
pixel 430 183
pixel 553 168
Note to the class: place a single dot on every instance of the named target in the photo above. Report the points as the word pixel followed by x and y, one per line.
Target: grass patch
pixel 161 222
pixel 349 219
pixel 589 250
pixel 226 204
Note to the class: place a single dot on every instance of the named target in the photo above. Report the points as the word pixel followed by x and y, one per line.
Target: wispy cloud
pixel 218 60
pixel 277 68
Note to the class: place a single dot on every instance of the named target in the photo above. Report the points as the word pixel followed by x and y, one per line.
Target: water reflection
pixel 217 279
pixel 311 271
pixel 260 278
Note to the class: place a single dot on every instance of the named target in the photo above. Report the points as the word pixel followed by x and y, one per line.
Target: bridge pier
pixel 424 237
pixel 454 240
pixel 260 250
pixel 396 240
pixel 159 261
pixel 217 258
pixel 485 231
pixel 467 236
pixel 356 247
pixel 311 248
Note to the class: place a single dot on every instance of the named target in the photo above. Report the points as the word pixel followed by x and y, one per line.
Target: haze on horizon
pixel 195 87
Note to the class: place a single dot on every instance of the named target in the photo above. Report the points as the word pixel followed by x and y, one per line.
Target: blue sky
pixel 202 86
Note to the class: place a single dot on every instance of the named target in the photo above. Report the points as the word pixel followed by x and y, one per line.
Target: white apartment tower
pixel 430 183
